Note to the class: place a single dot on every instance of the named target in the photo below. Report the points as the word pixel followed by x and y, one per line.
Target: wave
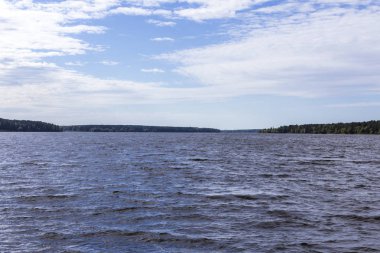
pixel 141 236
pixel 272 224
pixel 35 162
pixel 269 175
pixel 145 236
pixel 238 196
pixel 361 218
pixel 38 198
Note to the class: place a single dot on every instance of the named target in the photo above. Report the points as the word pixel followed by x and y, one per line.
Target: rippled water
pixel 131 192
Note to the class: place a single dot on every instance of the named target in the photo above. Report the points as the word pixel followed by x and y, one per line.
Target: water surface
pixel 176 192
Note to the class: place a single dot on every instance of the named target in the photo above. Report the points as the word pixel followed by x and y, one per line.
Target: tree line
pixel 7 125
pixel 27 126
pixel 137 128
pixel 369 127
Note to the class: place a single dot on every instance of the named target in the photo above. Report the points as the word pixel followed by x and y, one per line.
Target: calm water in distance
pixel 176 192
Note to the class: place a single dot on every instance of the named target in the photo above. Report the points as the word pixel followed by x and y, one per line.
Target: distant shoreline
pixel 137 129
pixel 368 127
pixel 7 125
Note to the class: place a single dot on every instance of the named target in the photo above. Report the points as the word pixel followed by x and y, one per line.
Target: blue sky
pixel 229 64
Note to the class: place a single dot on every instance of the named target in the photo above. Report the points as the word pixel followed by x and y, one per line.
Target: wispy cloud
pixel 53 84
pixel 109 63
pixel 329 52
pixel 153 70
pixel 352 105
pixel 162 39
pixel 133 11
pixel 213 9
pixel 32 31
pixel 160 22
pixel 285 48
pixel 75 63
pixel 197 10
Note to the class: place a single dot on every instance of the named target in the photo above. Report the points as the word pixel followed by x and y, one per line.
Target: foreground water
pixel 130 192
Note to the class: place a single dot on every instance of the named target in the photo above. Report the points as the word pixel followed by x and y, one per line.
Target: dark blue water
pixel 141 192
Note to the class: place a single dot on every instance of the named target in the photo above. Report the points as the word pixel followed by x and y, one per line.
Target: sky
pixel 228 64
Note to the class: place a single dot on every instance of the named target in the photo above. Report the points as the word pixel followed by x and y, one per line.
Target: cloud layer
pixel 305 49
pixel 331 52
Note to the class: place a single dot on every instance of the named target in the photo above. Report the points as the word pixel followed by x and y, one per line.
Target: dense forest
pixel 137 128
pixel 242 131
pixel 369 127
pixel 7 125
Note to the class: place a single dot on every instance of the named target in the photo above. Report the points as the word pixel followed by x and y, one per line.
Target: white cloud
pixel 64 92
pixel 213 9
pixel 352 105
pixel 197 10
pixel 141 11
pixel 58 87
pixel 153 70
pixel 322 55
pixel 161 23
pixel 31 31
pixel 132 11
pixel 109 63
pixel 151 3
pixel 81 29
pixel 300 51
pixel 75 63
pixel 162 39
